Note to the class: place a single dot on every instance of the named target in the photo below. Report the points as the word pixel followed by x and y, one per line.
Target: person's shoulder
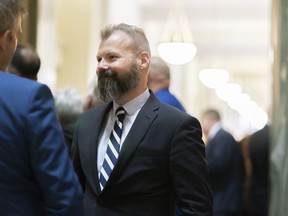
pixel 225 135
pixel 175 118
pixel 261 132
pixel 16 85
pixel 165 96
pixel 166 110
pixel 18 81
pixel 261 135
pixel 94 111
pixel 172 111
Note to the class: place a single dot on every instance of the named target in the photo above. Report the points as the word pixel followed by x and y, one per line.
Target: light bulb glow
pixel 213 77
pixel 177 53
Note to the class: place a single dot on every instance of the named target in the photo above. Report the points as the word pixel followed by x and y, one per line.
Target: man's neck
pixel 130 95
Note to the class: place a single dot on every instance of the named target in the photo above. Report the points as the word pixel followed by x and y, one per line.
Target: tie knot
pixel 120 113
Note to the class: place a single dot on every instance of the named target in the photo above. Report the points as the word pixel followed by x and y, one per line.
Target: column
pixel 279 133
pixel 29 24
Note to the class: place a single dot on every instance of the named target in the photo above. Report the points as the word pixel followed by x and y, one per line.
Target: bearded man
pixel 135 155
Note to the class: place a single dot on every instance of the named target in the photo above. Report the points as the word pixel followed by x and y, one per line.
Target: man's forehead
pixel 116 41
pixel 118 37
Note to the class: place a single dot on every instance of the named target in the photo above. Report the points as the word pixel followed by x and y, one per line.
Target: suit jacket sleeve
pixel 189 170
pixel 76 158
pixel 61 191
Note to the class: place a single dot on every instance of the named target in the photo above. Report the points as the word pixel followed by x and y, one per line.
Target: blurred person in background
pixel 69 106
pixel 159 82
pixel 258 148
pixel 225 165
pixel 37 176
pixel 25 62
pixel 243 143
pixel 92 99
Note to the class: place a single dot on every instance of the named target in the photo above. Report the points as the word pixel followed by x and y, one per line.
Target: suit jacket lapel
pixel 142 123
pixel 94 142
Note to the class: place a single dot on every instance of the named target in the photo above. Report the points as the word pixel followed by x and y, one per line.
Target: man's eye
pixel 113 57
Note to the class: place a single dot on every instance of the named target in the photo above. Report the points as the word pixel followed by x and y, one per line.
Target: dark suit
pixel 259 155
pixel 162 161
pixel 37 177
pixel 227 172
pixel 68 131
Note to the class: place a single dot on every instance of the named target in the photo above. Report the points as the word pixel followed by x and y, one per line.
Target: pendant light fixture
pixel 176 46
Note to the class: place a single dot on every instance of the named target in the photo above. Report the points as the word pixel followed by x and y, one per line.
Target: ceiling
pixel 233 35
pixel 230 34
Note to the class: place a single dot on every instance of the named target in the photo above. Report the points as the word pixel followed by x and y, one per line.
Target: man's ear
pixel 4 38
pixel 144 60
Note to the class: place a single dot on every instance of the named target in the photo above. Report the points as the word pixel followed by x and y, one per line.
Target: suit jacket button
pixel 101 201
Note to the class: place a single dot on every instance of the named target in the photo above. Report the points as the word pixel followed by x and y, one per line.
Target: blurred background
pixel 232 38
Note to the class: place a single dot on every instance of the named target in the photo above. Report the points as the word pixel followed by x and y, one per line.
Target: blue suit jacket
pixel 36 174
pixel 227 172
pixel 165 96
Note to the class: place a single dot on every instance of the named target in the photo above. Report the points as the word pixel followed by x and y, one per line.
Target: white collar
pixel 214 130
pixel 135 104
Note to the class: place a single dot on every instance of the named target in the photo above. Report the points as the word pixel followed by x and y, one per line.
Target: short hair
pixel 25 61
pixel 137 34
pixel 69 105
pixel 160 67
pixel 213 114
pixel 10 12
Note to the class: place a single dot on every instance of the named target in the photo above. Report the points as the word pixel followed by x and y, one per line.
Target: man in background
pixel 92 98
pixel 69 106
pixel 37 177
pixel 25 62
pixel 159 82
pixel 225 165
pixel 258 147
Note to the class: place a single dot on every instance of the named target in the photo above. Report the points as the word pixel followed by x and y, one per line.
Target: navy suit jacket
pixel 36 175
pixel 161 164
pixel 226 169
pixel 260 184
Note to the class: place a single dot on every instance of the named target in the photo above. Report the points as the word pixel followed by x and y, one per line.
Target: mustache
pixel 107 74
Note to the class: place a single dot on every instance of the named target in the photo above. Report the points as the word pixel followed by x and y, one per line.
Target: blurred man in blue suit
pixel 225 166
pixel 159 82
pixel 37 177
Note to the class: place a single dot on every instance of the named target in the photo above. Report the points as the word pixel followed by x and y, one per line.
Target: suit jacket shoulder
pixel 33 150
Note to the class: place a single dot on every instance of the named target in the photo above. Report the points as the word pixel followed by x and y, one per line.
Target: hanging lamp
pixel 176 46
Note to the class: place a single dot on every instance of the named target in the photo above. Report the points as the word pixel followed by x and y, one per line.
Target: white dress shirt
pixel 214 130
pixel 132 109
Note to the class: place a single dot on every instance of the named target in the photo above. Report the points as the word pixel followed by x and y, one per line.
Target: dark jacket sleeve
pixel 189 170
pixel 54 172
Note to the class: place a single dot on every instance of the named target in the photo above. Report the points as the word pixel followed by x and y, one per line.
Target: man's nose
pixel 102 65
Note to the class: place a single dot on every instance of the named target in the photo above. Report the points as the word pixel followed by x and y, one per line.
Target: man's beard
pixel 112 85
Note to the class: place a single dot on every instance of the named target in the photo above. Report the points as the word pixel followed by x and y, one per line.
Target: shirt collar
pixel 135 104
pixel 213 131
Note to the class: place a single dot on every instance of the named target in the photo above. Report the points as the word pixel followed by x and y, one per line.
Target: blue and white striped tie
pixel 112 148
